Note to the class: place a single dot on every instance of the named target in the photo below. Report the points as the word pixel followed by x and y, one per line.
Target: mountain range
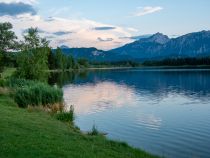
pixel 154 47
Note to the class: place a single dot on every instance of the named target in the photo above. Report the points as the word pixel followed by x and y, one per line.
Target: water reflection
pixel 149 121
pixel 97 97
pixel 165 112
pixel 154 82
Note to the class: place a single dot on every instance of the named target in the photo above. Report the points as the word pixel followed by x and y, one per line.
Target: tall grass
pixel 66 116
pixel 20 83
pixel 94 131
pixel 35 93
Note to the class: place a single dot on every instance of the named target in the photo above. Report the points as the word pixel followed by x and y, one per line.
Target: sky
pixel 105 24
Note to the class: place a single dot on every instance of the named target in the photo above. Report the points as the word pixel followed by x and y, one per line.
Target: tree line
pixel 179 62
pixel 33 57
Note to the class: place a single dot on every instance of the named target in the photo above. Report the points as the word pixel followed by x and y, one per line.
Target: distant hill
pixel 89 53
pixel 157 46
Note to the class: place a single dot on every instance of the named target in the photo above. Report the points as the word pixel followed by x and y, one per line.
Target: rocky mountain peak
pixel 159 38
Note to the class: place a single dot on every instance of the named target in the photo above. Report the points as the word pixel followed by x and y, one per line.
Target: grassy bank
pixel 34 133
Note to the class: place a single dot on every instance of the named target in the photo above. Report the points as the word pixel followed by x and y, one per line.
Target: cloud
pixel 61 33
pixel 19 1
pixel 49 37
pixel 105 40
pixel 57 33
pixel 13 9
pixel 60 11
pixel 104 28
pixel 82 32
pixel 136 37
pixel 147 10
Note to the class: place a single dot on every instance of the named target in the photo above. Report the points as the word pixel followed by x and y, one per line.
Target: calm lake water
pixel 163 111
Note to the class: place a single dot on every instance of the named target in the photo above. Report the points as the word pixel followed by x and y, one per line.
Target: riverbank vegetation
pixel 33 120
pixel 35 133
pixel 37 94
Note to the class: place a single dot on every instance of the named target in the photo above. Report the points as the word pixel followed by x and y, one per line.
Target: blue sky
pixel 105 24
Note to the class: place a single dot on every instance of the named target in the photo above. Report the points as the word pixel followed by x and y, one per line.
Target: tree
pixel 61 60
pixel 33 59
pixel 58 57
pixel 7 40
pixel 83 62
pixel 51 60
pixel 70 62
pixel 7 37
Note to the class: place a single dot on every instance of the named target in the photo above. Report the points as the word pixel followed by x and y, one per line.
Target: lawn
pixel 28 133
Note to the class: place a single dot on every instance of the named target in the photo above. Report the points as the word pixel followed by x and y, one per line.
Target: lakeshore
pixel 35 133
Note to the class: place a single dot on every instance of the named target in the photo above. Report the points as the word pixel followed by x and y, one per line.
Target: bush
pixel 66 116
pixel 35 93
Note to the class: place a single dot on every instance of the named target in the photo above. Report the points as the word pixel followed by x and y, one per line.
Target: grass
pixel 94 131
pixel 34 93
pixel 7 72
pixel 38 94
pixel 37 134
pixel 34 133
pixel 66 116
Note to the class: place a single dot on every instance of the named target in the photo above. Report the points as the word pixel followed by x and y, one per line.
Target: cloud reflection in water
pixel 97 97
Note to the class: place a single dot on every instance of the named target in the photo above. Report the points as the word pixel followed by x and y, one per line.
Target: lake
pixel 163 111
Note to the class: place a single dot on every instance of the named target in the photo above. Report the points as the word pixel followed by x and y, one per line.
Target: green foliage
pixel 7 73
pixel 83 62
pixel 126 63
pixel 70 62
pixel 35 93
pixel 51 61
pixel 33 59
pixel 19 83
pixel 2 83
pixel 10 59
pixel 1 61
pixel 179 62
pixel 7 37
pixel 33 40
pixel 66 116
pixel 94 131
pixel 61 60
pixel 7 41
pixel 37 134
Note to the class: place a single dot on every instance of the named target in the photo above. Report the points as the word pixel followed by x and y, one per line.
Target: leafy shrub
pixel 66 116
pixel 35 93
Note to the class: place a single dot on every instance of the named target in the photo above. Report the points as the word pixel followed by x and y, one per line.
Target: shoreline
pixel 43 135
pixel 202 67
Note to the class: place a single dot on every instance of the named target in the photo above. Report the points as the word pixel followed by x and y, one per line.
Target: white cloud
pixel 133 29
pixel 147 10
pixel 59 11
pixel 83 34
pixel 17 1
